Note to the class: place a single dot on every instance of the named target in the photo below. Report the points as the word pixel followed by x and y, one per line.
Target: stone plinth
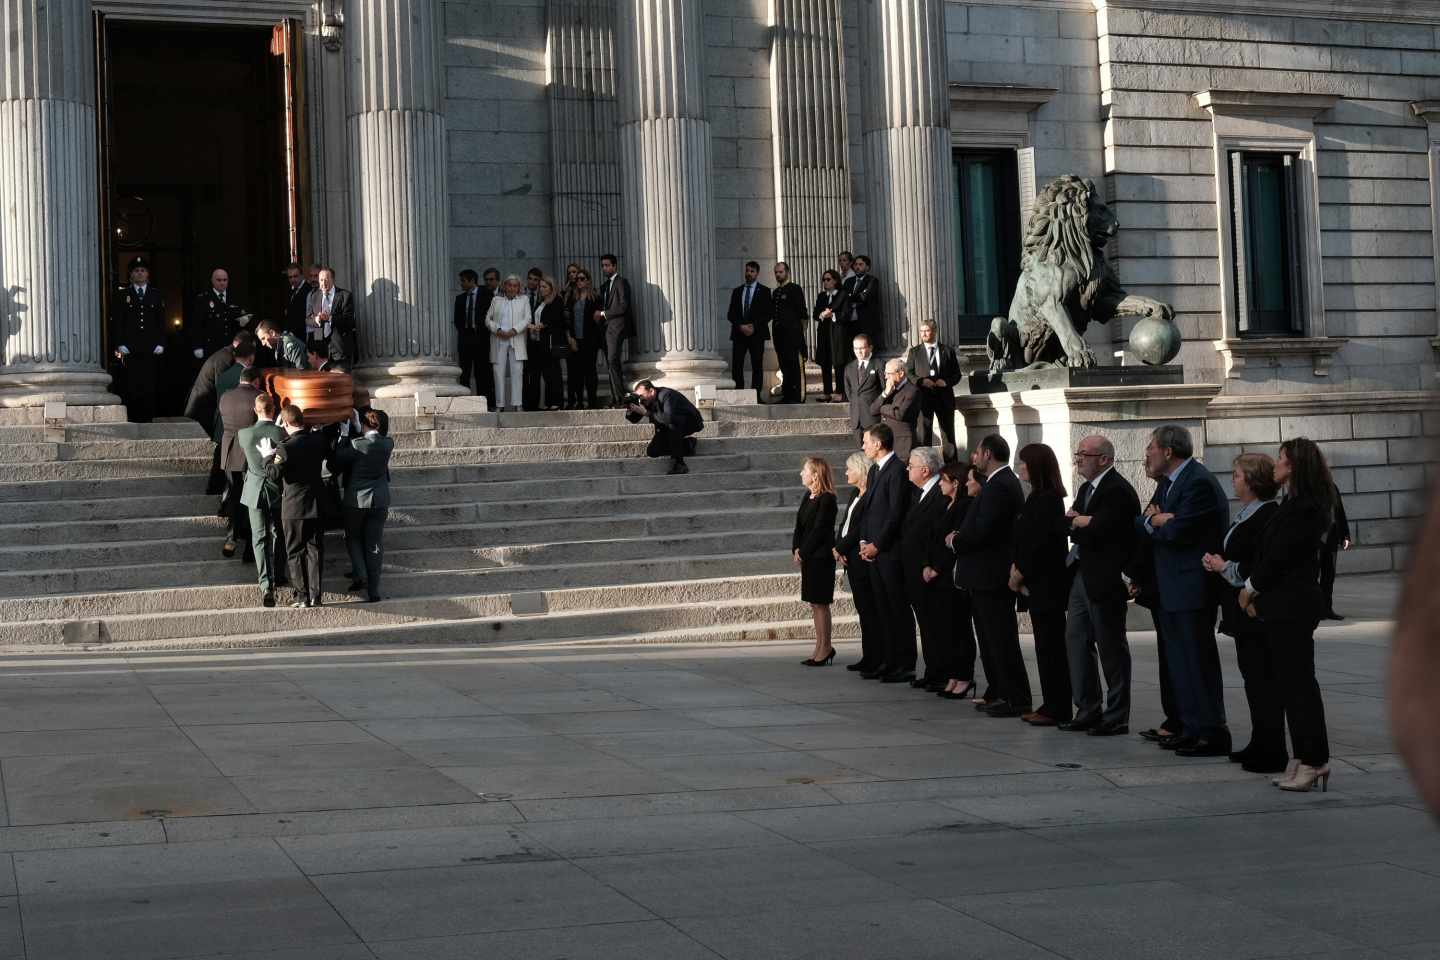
pixel 1062 417
pixel 1060 378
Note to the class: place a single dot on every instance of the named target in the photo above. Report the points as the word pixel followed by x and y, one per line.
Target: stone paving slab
pixel 521 801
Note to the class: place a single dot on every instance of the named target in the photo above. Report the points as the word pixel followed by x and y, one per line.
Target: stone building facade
pixel 1277 177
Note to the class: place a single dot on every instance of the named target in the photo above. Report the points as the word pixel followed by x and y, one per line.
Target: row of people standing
pixel 513 337
pixel 959 550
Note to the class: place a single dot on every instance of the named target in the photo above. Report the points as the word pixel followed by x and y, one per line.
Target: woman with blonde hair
pixel 857 570
pixel 813 550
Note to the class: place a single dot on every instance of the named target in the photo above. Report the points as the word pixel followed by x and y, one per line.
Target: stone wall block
pixel 1396 478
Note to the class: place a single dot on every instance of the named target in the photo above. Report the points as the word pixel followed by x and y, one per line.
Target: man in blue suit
pixel 1187 518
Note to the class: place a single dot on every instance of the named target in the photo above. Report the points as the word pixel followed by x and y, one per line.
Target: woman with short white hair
pixel 507 319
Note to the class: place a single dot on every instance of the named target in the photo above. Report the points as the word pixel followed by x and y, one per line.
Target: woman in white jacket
pixel 508 318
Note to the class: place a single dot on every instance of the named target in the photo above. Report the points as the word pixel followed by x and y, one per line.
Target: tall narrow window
pixel 987 222
pixel 1268 282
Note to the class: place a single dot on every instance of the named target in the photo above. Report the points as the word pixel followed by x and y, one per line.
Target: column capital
pixel 49 51
pixel 393 53
pixel 661 50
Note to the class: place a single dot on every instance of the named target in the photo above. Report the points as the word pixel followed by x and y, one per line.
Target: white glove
pixel 159 350
pixel 125 350
pixel 266 447
pixel 345 428
pixel 199 354
pixel 243 320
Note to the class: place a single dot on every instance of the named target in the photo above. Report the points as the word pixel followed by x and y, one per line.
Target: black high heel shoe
pixel 812 662
pixel 964 693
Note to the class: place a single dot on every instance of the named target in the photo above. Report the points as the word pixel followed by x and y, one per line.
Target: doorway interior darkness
pixel 195 148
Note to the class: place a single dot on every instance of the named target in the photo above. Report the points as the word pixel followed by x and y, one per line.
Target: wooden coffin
pixel 324 396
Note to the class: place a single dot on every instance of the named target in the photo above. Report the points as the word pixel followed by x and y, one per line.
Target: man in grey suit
pixel 617 318
pixel 237 411
pixel 261 497
pixel 365 461
pixel 330 322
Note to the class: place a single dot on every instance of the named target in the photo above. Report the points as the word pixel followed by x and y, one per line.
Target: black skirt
pixel 817 580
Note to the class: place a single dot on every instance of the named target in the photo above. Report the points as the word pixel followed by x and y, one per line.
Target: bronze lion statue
pixel 1065 283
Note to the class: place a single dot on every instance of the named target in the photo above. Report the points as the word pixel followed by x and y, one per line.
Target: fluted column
pixel 908 168
pixel 665 188
pixel 49 213
pixel 398 170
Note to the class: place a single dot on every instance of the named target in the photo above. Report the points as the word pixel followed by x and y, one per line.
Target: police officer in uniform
pixel 787 332
pixel 216 318
pixel 137 338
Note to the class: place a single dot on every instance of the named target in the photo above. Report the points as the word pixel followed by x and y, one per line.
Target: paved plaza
pixel 672 802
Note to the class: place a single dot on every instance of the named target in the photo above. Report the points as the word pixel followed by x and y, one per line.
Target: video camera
pixel 632 399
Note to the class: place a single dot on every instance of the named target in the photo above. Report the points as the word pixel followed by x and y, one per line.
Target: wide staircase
pixel 516 527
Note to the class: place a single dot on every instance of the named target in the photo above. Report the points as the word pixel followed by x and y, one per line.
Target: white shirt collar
pixel 885 459
pixel 994 473
pixel 934 479
pixel 1173 474
pixel 1094 484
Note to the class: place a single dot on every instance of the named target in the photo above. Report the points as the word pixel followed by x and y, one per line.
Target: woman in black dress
pixel 1283 593
pixel 1038 576
pixel 956 484
pixel 1254 482
pixel 813 548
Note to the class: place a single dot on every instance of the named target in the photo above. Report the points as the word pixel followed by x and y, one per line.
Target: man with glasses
pixel 1102 529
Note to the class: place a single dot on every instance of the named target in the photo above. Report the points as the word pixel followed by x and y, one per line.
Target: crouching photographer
pixel 675 419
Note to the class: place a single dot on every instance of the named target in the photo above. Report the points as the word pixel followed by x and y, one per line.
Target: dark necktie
pixel 1162 490
pixel 1082 499
pixel 931 351
pixel 746 309
pixel 470 310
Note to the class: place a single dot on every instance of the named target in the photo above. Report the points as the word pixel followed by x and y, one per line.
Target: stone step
pixel 493 541
pixel 90 471
pixel 609 433
pixel 110 508
pixel 105 450
pixel 84 432
pixel 799 444
pixel 204 523
pixel 238 589
pixel 576 612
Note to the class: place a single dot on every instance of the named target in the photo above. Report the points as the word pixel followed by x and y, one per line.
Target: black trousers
pixel 1000 634
pixel 752 346
pixel 305 555
pixel 790 354
pixel 1291 651
pixel 584 380
pixel 842 352
pixel 1169 706
pixel 867 608
pixel 888 578
pixel 238 529
pixel 1052 661
pixel 142 373
pixel 473 349
pixel 938 405
pixel 365 541
pixel 542 370
pixel 825 356
pixel 670 443
pixel 931 605
pixel 217 482
pixel 960 658
pixel 1192 660
pixel 1262 694
pixel 614 345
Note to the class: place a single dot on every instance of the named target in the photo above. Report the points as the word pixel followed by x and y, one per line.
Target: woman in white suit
pixel 508 318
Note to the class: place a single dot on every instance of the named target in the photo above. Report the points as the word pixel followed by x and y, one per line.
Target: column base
pixel 35 387
pixel 406 378
pixel 680 372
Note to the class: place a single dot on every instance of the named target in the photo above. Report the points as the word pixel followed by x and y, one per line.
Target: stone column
pixel 908 167
pixel 49 210
pixel 399 198
pixel 665 190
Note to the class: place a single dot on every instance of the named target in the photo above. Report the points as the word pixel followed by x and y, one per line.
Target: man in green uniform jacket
pixel 261 496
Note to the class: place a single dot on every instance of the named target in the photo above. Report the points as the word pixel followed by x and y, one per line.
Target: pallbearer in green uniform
pixel 137 340
pixel 289 350
pixel 262 497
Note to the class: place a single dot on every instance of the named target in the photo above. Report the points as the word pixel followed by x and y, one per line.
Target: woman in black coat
pixel 547 346
pixel 1039 576
pixel 1253 479
pixel 583 339
pixel 1283 593
pixel 960 483
pixel 813 549
pixel 830 354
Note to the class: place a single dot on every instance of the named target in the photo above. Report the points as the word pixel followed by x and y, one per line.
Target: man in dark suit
pixel 296 464
pixel 1186 519
pixel 676 421
pixel 790 315
pixel 215 317
pixel 898 406
pixel 982 548
pixel 887 499
pixel 472 346
pixel 934 369
pixel 616 318
pixel 927 565
pixel 203 404
pixel 297 300
pixel 862 294
pixel 863 383
pixel 749 316
pixel 1102 529
pixel 237 411
pixel 137 338
pixel 330 323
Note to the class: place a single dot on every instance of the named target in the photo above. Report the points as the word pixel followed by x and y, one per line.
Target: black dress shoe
pixel 372 599
pixel 1004 708
pixel 268 600
pixel 935 686
pixel 858 666
pixel 898 677
pixel 1205 747
pixel 356 584
pixel 1175 743
pixel 1109 730
pixel 1332 615
pixel 1079 724
pixel 1261 764
pixel 1156 734
pixel 227 550
pixel 920 683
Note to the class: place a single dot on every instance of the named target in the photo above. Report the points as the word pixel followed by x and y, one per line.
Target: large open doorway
pixel 200 144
